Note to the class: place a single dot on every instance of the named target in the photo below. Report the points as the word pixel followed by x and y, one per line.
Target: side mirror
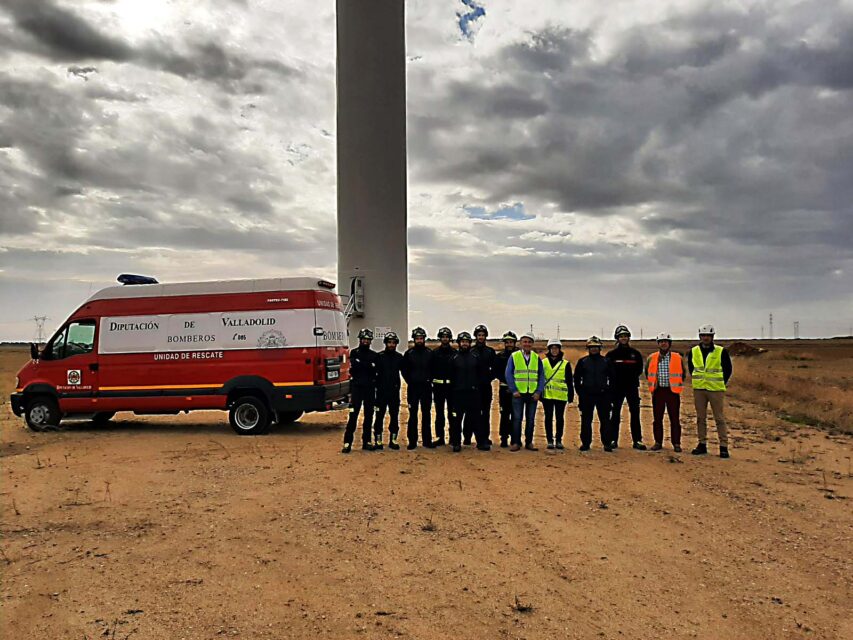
pixel 34 351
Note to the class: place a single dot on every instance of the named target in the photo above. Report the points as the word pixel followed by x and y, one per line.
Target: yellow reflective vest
pixel 708 372
pixel 556 385
pixel 526 373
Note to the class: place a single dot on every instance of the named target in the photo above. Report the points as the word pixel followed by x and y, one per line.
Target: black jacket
pixel 362 366
pixel 501 358
pixel 417 366
pixel 388 365
pixel 627 366
pixel 441 359
pixel 465 371
pixel 487 357
pixel 593 375
pixel 725 360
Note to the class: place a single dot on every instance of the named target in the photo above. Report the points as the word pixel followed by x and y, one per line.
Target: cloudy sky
pixel 662 164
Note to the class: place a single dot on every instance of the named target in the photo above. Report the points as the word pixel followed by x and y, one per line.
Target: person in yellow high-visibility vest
pixel 525 376
pixel 710 368
pixel 558 392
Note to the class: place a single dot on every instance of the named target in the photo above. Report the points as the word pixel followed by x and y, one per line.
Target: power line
pixel 40 320
pixel 771 326
pixel 796 330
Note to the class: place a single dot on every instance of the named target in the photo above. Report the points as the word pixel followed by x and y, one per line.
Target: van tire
pixel 42 413
pixel 249 416
pixel 102 418
pixel 289 417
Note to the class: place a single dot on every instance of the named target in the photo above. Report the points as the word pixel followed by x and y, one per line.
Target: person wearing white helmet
pixel 558 391
pixel 665 375
pixel 627 368
pixel 710 368
pixel 593 381
pixel 525 376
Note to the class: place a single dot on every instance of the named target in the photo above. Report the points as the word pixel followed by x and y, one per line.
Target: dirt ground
pixel 177 528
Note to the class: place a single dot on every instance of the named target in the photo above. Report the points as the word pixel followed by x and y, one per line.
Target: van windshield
pixel 76 338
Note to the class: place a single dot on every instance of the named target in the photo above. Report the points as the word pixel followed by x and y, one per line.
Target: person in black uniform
pixel 487 357
pixel 627 365
pixel 362 390
pixel 504 394
pixel 441 357
pixel 417 372
pixel 388 364
pixel 592 382
pixel 464 380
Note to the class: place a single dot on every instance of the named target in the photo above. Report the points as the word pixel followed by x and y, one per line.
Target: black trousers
pixel 464 415
pixel 485 413
pixel 387 401
pixel 505 404
pixel 554 408
pixel 632 394
pixel 441 398
pixel 588 405
pixel 360 396
pixel 419 397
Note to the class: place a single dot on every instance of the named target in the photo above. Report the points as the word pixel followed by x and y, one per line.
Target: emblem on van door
pixel 272 339
pixel 74 376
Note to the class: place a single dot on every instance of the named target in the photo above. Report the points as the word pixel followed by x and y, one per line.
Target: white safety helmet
pixel 706 329
pixel 530 335
pixel 555 342
pixel 663 336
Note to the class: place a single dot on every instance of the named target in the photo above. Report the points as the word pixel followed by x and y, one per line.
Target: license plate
pixel 333 375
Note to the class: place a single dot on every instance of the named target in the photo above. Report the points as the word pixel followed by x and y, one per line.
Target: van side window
pixel 76 338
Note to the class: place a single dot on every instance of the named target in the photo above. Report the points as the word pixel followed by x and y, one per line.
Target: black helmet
pixel 391 336
pixel 464 335
pixel 510 335
pixel 418 331
pixel 365 334
pixel 481 328
pixel 621 330
pixel 445 331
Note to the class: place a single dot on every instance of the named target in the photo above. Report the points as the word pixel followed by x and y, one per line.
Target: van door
pixel 69 363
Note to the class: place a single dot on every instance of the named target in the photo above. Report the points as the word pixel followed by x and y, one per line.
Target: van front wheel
pixel 249 416
pixel 42 414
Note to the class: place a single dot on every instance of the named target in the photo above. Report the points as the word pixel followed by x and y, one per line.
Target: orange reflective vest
pixel 676 372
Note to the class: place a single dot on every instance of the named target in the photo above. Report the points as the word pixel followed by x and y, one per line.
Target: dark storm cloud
pixel 60 34
pixel 715 123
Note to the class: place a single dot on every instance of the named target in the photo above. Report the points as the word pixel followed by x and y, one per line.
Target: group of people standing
pixel 459 381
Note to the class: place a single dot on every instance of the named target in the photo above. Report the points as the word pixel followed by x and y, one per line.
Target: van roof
pixel 209 288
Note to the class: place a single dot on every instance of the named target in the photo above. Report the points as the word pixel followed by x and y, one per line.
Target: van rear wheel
pixel 249 416
pixel 289 417
pixel 42 414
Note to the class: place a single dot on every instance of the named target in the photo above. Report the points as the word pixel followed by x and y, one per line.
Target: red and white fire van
pixel 265 350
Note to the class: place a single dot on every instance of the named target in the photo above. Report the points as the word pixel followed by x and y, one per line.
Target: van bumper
pixel 316 398
pixel 17 403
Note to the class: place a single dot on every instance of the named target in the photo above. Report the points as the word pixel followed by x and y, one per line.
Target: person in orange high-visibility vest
pixel 665 374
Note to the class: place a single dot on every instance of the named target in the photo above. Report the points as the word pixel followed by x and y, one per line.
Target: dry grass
pixel 805 395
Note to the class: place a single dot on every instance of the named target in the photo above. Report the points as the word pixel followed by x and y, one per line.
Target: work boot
pixel 676 448
pixel 584 447
pixel 484 447
pixel 550 445
pixel 347 447
pixel 515 447
pixel 639 446
pixel 529 446
pixel 504 443
pixel 724 452
pixel 392 442
pixel 412 445
pixel 366 446
pixel 559 445
pixel 657 446
pixel 456 448
pixel 429 445
pixel 614 445
pixel 466 442
pixel 439 442
pixel 378 446
pixel 608 447
pixel 700 450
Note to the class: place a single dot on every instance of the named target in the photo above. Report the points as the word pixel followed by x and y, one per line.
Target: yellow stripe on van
pixel 193 386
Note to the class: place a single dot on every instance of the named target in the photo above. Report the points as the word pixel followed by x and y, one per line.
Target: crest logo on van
pixel 272 339
pixel 74 376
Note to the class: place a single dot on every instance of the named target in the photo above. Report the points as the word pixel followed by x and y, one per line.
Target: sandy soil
pixel 177 528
